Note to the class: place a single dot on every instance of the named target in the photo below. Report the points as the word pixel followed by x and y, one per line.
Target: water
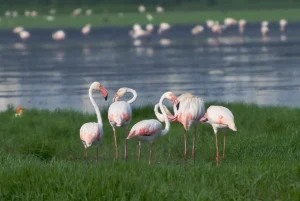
pixel 42 73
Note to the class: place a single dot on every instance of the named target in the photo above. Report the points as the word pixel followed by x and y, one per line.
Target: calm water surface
pixel 43 73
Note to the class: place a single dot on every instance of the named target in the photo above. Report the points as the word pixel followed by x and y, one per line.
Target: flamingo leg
pixel 116 146
pixel 86 156
pixel 224 145
pixel 194 143
pixel 185 152
pixel 217 150
pixel 139 154
pixel 125 145
pixel 97 154
pixel 150 154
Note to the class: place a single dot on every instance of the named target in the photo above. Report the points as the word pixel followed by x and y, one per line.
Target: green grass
pixel 42 158
pixel 128 19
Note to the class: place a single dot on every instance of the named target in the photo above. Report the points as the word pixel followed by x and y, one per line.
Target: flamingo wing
pixel 145 128
pixel 221 115
pixel 120 113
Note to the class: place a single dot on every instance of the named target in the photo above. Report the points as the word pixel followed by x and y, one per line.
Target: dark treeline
pixel 131 5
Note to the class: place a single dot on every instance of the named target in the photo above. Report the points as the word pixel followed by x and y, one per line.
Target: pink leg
pixel 185 152
pixel 217 150
pixel 224 145
pixel 194 143
pixel 116 146
pixel 125 145
pixel 150 155
pixel 139 154
pixel 97 154
pixel 86 156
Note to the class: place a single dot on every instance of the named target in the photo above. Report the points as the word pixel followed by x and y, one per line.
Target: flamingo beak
pixel 204 119
pixel 177 105
pixel 104 92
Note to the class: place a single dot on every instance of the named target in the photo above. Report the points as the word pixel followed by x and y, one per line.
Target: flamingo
pixel 197 30
pixel 242 24
pixel 219 117
pixel 17 30
pixel 159 9
pixel 86 29
pixel 24 35
pixel 191 110
pixel 88 12
pixel 120 114
pixel 282 24
pixel 19 111
pixel 163 27
pixel 92 133
pixel 149 130
pixel 59 35
pixel 229 22
pixel 142 8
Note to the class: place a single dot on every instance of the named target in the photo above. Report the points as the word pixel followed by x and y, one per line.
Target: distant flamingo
pixel 86 29
pixel 24 35
pixel 163 27
pixel 92 133
pixel 19 111
pixel 159 9
pixel 197 30
pixel 282 24
pixel 120 115
pixel 264 31
pixel 142 8
pixel 17 30
pixel 149 130
pixel 59 35
pixel 219 117
pixel 229 22
pixel 191 110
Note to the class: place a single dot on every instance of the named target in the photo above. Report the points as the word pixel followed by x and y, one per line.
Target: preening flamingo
pixel 120 114
pixel 191 110
pixel 149 130
pixel 19 111
pixel 92 133
pixel 219 117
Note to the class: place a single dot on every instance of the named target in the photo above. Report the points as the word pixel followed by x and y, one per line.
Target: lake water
pixel 43 73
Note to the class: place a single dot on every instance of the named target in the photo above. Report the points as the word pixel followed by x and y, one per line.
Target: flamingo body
pixel 120 114
pixel 146 130
pixel 91 134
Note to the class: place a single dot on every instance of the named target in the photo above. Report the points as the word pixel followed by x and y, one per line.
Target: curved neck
pixel 134 95
pixel 95 106
pixel 167 122
pixel 158 115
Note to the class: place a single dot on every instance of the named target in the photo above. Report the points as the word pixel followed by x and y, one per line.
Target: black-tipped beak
pixel 177 105
pixel 105 98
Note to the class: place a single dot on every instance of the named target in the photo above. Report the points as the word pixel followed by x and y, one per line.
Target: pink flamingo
pixel 219 117
pixel 149 130
pixel 92 133
pixel 191 110
pixel 120 114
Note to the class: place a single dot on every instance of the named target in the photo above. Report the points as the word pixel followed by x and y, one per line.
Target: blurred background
pixel 222 50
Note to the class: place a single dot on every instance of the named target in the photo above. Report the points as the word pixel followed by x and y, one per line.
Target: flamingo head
pixel 20 110
pixel 169 95
pixel 204 118
pixel 119 94
pixel 101 88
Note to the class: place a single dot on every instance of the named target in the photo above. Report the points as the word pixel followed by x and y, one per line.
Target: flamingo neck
pixel 158 115
pixel 99 118
pixel 134 95
pixel 167 122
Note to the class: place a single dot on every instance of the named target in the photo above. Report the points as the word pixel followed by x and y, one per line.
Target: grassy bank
pixel 42 158
pixel 128 19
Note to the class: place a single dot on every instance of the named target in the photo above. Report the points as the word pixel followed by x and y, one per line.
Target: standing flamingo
pixel 219 117
pixel 149 130
pixel 120 115
pixel 191 110
pixel 92 133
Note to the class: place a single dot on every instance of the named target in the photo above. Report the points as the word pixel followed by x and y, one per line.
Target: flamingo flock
pixel 189 110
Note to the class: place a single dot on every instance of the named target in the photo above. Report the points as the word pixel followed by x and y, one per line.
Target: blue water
pixel 43 73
